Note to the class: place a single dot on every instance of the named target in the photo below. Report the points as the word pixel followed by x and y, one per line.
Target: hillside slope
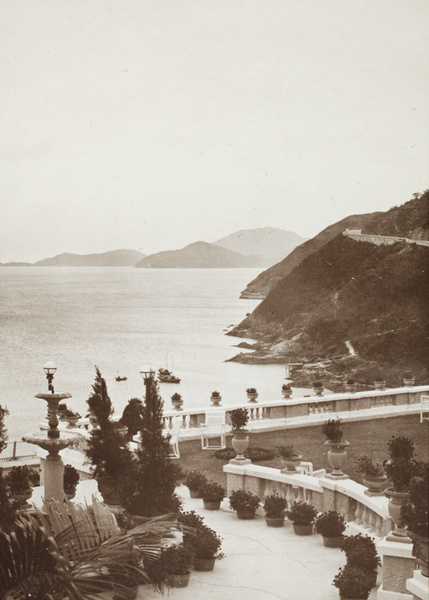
pixel 409 220
pixel 271 243
pixel 373 297
pixel 199 255
pixel 113 258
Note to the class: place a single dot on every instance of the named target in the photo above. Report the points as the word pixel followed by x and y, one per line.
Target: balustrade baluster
pixel 365 517
pixel 379 526
pixel 359 513
pixel 372 521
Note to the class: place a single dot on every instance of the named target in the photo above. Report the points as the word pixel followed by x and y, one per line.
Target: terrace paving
pixel 261 563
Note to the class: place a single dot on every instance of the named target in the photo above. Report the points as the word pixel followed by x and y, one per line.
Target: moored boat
pixel 166 376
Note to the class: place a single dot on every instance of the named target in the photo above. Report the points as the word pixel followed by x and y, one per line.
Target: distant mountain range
pixel 246 248
pixel 334 294
pixel 270 243
pixel 200 255
pixel 113 258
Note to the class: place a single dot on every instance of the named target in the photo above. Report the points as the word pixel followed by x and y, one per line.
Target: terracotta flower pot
pixel 179 580
pixel 274 521
pixel 332 541
pixel 301 529
pixel 194 493
pixel 246 514
pixel 204 564
pixel 212 505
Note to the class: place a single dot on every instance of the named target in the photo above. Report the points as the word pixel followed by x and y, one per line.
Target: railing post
pixel 14 450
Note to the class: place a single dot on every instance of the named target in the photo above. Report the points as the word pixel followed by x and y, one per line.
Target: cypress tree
pixel 151 484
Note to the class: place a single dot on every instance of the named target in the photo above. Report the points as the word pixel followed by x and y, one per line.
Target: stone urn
pixel 109 489
pixel 291 463
pixel 337 454
pixel 240 443
pixel 350 388
pixel 394 506
pixel 72 421
pixel 409 382
pixel 376 484
pixel 252 396
pixel 177 401
pixel 216 400
pixel 318 390
pixel 22 497
pixel 380 385
pixel 287 393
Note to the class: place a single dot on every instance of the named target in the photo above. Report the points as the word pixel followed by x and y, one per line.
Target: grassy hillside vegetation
pixel 410 220
pixel 375 297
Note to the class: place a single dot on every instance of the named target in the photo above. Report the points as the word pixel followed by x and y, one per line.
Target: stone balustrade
pixel 346 496
pixel 287 412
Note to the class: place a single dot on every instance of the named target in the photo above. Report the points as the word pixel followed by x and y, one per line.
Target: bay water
pixel 120 319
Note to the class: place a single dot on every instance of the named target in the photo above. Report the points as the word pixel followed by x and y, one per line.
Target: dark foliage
pixel 242 500
pixel 301 513
pixel 3 432
pixel 415 510
pixel 332 430
pixel 201 539
pixel 132 417
pixel 331 524
pixel 71 477
pixel 151 482
pixel 195 480
pixel 275 506
pixel 239 418
pixel 401 466
pixel 99 402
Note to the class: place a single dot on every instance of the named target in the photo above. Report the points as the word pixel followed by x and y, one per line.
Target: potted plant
pixel 350 385
pixel 213 494
pixel 361 554
pixel 400 470
pixel 302 516
pixel 70 481
pixel 331 525
pixel 216 398
pixel 244 503
pixel 176 561
pixel 318 388
pixel 337 452
pixel 290 459
pixel 274 507
pixel 414 513
pixel 62 407
pixel 351 584
pixel 287 390
pixel 195 482
pixel 71 417
pixel 18 481
pixel 408 379
pixel 177 401
pixel 373 475
pixel 379 381
pixel 204 542
pixel 240 439
pixel 252 394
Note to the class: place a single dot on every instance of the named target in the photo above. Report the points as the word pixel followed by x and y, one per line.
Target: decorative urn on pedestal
pixel 400 470
pixel 252 394
pixel 337 449
pixel 240 440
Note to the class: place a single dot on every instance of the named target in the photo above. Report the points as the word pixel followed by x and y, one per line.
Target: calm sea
pixel 120 319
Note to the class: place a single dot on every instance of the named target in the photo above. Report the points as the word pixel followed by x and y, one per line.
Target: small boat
pixel 119 378
pixel 166 376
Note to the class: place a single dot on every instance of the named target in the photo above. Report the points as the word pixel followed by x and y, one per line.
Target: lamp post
pixel 147 373
pixel 50 369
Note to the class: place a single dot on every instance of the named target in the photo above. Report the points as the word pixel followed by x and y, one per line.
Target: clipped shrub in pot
pixel 275 507
pixel 289 457
pixel 331 525
pixel 287 390
pixel 361 553
pixel 373 475
pixel 244 503
pixel 19 483
pixel 203 541
pixel 351 584
pixel 173 566
pixel 302 516
pixel 212 494
pixel 195 482
pixel 216 398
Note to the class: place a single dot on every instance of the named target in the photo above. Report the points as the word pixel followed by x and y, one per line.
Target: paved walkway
pixel 261 563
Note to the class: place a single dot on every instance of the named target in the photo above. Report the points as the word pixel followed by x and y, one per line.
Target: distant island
pixel 260 247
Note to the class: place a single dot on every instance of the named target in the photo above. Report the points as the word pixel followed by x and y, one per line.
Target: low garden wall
pixel 278 413
pixel 344 495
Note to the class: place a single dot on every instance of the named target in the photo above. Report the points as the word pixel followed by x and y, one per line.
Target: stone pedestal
pixel 398 566
pixel 418 586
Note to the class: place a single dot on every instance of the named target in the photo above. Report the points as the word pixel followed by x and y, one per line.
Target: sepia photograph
pixel 214 284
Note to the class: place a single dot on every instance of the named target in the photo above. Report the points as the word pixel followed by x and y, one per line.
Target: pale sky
pixel 151 124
